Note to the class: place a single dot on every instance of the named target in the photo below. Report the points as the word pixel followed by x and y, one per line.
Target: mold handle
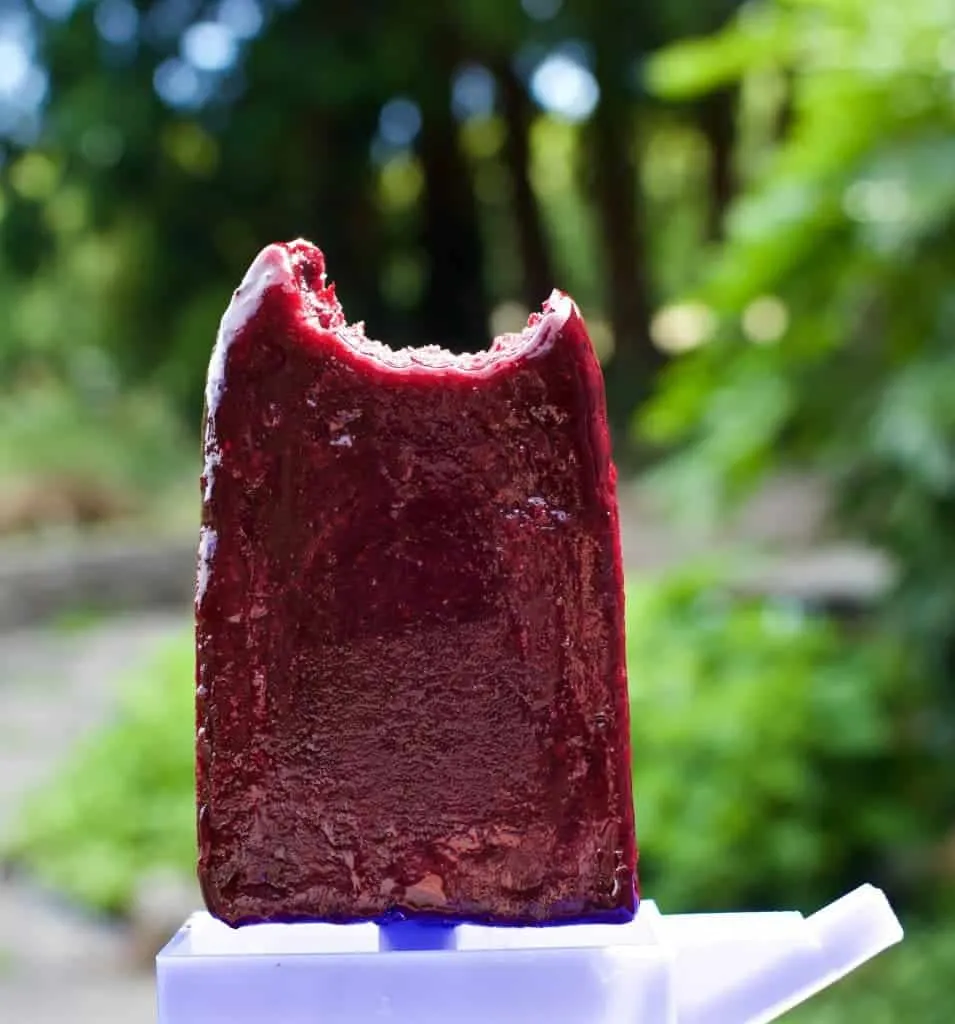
pixel 752 968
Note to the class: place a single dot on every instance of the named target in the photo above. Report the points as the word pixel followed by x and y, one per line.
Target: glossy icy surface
pixel 411 687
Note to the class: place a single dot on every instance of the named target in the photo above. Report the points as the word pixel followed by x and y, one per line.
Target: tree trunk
pixel 335 206
pixel 536 263
pixel 454 310
pixel 717 119
pixel 352 204
pixel 787 114
pixel 615 183
pixel 632 368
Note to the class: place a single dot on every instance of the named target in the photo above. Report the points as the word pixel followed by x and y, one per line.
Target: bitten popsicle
pixel 410 680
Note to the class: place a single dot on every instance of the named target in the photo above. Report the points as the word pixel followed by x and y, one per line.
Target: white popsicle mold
pixel 657 969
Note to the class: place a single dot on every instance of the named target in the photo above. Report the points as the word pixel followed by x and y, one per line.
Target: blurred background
pixel 754 206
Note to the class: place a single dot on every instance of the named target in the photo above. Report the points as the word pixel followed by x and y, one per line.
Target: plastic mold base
pixel 658 969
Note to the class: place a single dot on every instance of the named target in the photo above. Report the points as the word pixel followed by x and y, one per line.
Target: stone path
pixel 56 967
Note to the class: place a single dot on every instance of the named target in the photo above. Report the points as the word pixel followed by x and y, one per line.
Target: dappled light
pixel 565 86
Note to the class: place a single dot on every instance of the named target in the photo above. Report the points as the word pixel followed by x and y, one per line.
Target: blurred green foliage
pixel 832 296
pixel 137 192
pixel 124 803
pixel 73 456
pixel 771 756
pixel 821 330
pixel 771 762
pixel 123 439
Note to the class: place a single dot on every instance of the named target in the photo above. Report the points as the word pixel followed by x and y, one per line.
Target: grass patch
pixel 71 621
pixel 124 803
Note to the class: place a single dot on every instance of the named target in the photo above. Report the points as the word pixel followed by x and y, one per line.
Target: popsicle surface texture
pixel 411 686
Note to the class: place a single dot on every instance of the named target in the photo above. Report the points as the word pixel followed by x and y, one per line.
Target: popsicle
pixel 410 679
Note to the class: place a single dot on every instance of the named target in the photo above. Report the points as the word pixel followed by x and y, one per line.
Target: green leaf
pixel 695 67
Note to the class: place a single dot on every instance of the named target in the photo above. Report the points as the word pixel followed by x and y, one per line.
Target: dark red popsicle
pixel 411 689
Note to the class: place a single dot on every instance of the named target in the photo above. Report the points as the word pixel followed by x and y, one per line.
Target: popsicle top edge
pixel 297 268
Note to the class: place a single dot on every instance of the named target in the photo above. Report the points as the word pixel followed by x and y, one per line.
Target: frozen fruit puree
pixel 411 689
